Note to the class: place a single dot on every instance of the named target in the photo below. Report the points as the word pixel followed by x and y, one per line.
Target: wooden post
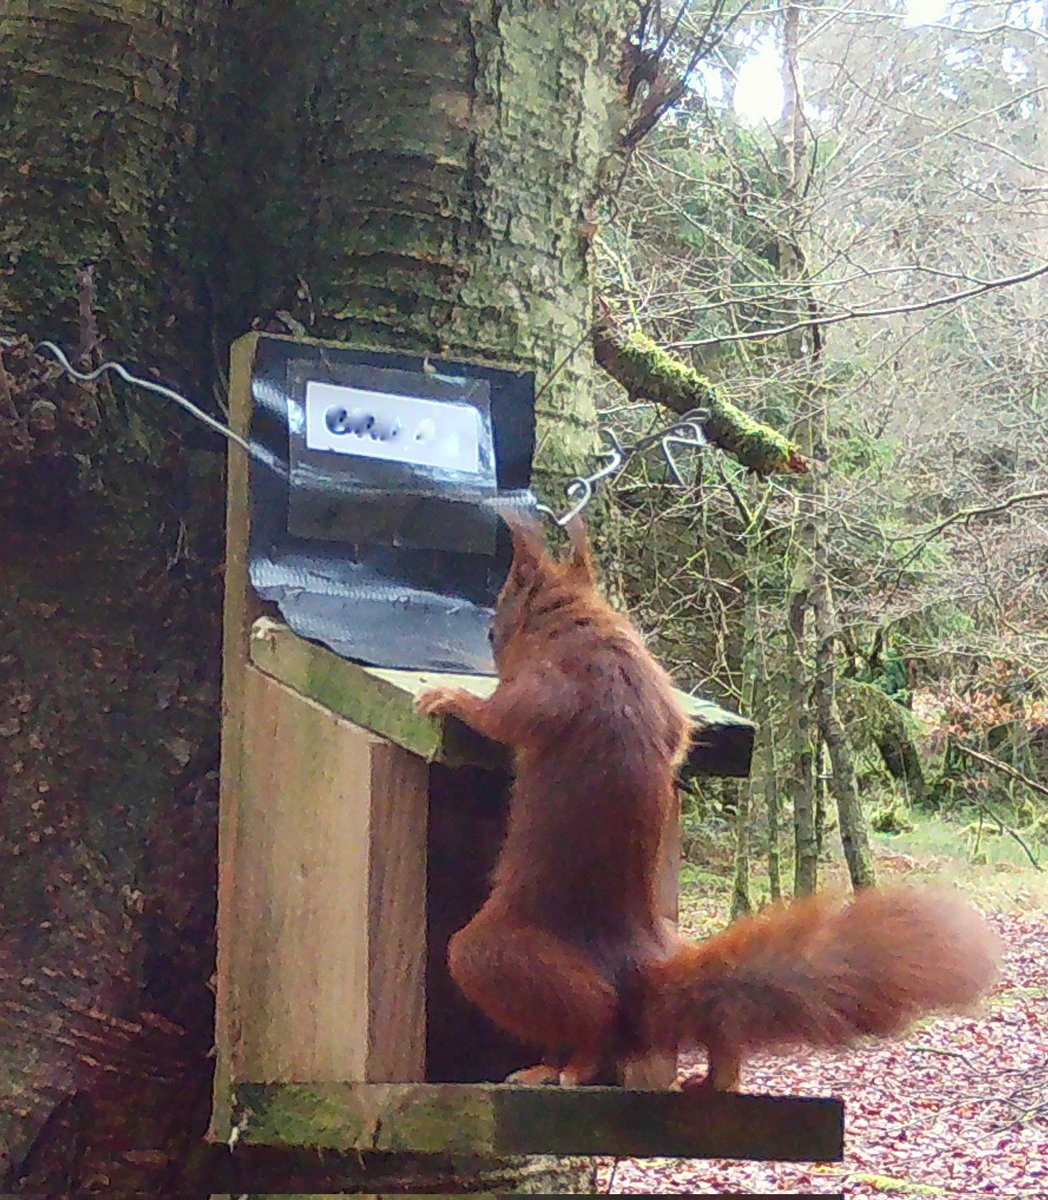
pixel 322 864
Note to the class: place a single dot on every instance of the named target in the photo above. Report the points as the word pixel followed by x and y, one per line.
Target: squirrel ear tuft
pixel 581 560
pixel 528 547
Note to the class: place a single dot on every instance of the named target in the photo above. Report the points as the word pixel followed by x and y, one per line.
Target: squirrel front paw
pixel 436 700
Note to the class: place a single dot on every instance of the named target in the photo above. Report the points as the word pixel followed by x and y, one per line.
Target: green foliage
pixel 857 452
pixel 891 818
pixel 890 676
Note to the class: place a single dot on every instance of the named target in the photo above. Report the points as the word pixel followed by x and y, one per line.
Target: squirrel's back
pixel 593 790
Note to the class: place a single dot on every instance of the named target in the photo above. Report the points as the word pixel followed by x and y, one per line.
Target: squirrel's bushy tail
pixel 820 973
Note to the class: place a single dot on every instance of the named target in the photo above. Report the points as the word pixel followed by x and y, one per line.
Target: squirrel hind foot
pixel 535 1076
pixel 722 1075
pixel 576 1073
pixel 579 1071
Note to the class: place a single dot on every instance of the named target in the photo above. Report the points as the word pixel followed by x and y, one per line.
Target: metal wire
pixel 687 430
pixel 257 452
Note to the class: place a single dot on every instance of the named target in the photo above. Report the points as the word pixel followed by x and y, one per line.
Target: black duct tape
pixel 391 563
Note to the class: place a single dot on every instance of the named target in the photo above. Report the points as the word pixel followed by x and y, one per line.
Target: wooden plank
pixel 379 700
pixel 329 901
pixel 301 898
pixel 383 701
pixel 501 1120
pixel 240 608
pixel 330 898
pixel 396 919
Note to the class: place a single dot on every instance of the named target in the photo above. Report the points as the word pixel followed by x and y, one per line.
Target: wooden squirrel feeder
pixel 356 836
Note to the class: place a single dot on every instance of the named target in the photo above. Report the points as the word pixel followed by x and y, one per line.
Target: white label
pixel 407 429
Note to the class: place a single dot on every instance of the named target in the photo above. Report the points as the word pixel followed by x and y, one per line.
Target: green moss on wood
pixel 486 1120
pixel 383 701
pixel 646 370
pixel 372 697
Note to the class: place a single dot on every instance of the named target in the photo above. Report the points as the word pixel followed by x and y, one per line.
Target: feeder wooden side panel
pixel 329 859
pixel 241 607
pixel 397 881
pixel 301 970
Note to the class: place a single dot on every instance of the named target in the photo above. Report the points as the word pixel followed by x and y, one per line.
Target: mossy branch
pixel 647 371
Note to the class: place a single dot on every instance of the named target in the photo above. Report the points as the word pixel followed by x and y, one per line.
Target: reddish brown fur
pixel 569 953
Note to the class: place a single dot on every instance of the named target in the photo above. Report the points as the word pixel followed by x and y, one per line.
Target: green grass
pixel 936 850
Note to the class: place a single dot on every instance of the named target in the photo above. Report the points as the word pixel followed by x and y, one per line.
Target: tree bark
pixel 800 782
pixel 408 176
pixel 806 346
pixel 741 903
pixel 109 537
pixel 416 176
pixel 871 716
pixel 773 806
pixel 755 703
pixel 854 828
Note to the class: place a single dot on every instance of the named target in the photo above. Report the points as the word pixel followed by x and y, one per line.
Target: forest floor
pixel 957 1109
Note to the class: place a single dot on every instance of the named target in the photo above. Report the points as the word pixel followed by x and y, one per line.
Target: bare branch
pixel 969 514
pixel 852 314
pixel 1003 767
pixel 1004 828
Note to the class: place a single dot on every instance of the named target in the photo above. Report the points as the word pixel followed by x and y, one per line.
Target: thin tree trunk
pixel 767 732
pixel 741 902
pixel 814 533
pixel 800 779
pixel 822 775
pixel 800 783
pixel 773 806
pixel 854 831
pixel 755 697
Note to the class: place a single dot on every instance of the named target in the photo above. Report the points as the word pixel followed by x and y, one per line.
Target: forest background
pixel 837 175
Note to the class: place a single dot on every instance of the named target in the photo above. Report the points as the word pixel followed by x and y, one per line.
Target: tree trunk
pixel 755 704
pixel 854 832
pixel 800 779
pixel 110 536
pixel 404 176
pixel 416 176
pixel 814 532
pixel 773 805
pixel 741 903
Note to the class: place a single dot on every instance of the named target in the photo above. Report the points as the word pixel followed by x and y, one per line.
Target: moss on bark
pixel 108 549
pixel 415 177
pixel 874 717
pixel 647 371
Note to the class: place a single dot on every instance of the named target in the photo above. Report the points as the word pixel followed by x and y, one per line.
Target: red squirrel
pixel 569 953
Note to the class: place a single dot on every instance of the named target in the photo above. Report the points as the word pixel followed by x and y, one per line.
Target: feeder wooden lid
pixel 382 701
